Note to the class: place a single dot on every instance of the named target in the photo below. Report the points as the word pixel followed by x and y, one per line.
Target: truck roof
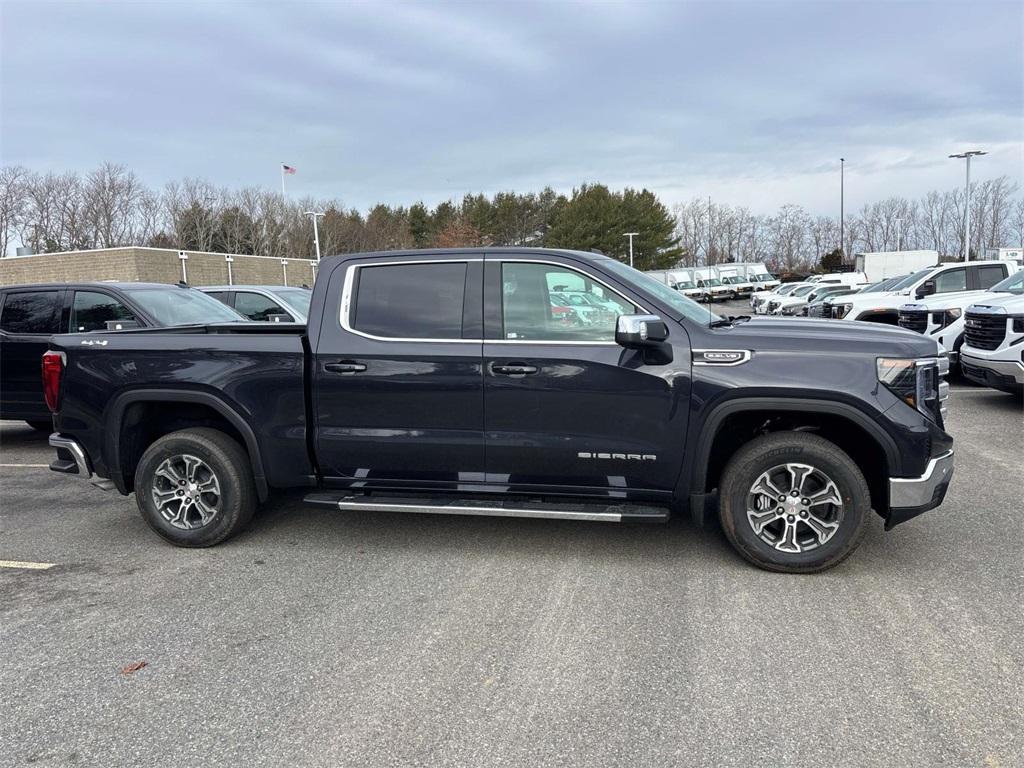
pixel 120 284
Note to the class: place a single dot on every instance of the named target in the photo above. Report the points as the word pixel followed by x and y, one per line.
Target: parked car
pixel 265 303
pixel 942 316
pixel 817 307
pixel 889 284
pixel 30 314
pixel 758 275
pixel 796 303
pixel 798 294
pixel 656 413
pixel 759 300
pixel 993 349
pixel 942 278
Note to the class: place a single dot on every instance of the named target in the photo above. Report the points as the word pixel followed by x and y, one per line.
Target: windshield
pixel 885 285
pixel 1013 284
pixel 711 281
pixel 683 286
pixel 182 306
pixel 686 307
pixel 803 290
pixel 785 290
pixel 298 298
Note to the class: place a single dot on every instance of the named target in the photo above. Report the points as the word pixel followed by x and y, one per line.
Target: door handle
pixel 514 369
pixel 345 366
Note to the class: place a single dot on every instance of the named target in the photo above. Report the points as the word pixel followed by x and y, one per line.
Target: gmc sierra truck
pixel 443 382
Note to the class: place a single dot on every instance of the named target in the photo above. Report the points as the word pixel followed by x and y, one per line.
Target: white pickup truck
pixel 942 316
pixel 993 350
pixel 954 277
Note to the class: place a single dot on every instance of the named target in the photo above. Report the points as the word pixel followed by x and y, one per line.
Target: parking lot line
pixel 26 565
pixel 25 465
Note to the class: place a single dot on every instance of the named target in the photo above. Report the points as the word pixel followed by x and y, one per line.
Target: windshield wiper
pixel 728 320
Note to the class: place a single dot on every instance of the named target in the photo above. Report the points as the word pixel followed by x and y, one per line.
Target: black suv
pixel 31 314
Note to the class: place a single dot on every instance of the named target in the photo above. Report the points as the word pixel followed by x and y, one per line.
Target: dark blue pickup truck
pixel 457 381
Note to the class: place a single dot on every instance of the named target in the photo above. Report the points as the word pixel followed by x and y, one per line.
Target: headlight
pixel 915 382
pixel 950 316
pixel 842 310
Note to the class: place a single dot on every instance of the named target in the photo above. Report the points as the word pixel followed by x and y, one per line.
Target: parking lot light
pixel 967 202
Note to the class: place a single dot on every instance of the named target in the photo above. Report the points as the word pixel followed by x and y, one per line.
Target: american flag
pixel 287 168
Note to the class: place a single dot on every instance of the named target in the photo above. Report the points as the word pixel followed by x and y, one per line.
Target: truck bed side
pixel 121 389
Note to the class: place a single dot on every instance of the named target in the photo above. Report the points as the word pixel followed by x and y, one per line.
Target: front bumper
pixel 1002 371
pixel 910 496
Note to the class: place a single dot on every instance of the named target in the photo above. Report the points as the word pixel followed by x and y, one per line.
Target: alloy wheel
pixel 186 492
pixel 794 508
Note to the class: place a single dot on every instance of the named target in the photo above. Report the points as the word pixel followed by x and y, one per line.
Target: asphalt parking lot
pixel 321 638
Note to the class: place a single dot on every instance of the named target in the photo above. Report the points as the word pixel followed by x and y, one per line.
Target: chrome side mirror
pixel 640 331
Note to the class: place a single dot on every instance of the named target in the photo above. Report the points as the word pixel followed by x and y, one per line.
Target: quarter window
pixel 410 301
pixel 31 312
pixel 545 302
pixel 953 280
pixel 91 311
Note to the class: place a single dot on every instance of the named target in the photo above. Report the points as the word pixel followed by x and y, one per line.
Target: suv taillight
pixel 53 367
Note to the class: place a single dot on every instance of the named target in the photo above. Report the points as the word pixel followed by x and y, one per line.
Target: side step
pixel 597 511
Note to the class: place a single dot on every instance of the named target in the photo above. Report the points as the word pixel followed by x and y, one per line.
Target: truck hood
pixel 766 333
pixel 961 299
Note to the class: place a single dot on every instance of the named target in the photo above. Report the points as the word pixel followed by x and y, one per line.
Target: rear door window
pixel 91 311
pixel 256 306
pixel 410 301
pixel 989 275
pixel 31 312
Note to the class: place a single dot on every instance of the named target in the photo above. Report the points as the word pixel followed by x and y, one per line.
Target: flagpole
pixel 281 168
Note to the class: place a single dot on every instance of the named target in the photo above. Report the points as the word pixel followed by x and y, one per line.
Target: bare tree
pixel 110 197
pixel 13 199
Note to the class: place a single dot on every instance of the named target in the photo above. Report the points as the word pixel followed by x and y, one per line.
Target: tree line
pixel 111 207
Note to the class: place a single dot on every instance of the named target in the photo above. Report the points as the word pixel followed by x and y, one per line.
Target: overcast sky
pixel 752 103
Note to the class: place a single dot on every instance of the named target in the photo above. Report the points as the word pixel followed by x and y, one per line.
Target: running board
pixel 598 511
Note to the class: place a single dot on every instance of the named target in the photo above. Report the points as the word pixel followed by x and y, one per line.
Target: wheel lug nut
pixel 805 501
pixel 803 514
pixel 790 518
pixel 794 493
pixel 781 497
pixel 779 510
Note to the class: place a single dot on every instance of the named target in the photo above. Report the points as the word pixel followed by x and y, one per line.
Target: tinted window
pixel 91 310
pixel 221 296
pixel 256 306
pixel 31 312
pixel 952 280
pixel 989 275
pixel 299 298
pixel 410 301
pixel 551 303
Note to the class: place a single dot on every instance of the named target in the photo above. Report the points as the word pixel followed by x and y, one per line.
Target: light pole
pixel 631 235
pixel 842 208
pixel 899 233
pixel 967 204
pixel 316 231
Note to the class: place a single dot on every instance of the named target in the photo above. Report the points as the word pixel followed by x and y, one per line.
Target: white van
pixel 707 279
pixel 733 276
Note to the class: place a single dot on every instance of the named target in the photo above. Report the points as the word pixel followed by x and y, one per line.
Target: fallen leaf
pixel 134 667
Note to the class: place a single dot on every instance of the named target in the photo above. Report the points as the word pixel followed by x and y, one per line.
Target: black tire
pixel 41 426
pixel 228 463
pixel 763 454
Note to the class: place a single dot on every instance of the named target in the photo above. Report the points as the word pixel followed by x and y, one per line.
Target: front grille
pixel 772 306
pixel 914 321
pixel 984 331
pixel 816 310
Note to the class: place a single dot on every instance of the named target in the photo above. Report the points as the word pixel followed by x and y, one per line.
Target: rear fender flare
pixel 115 417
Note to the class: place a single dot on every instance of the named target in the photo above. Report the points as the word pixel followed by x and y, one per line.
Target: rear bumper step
pixel 596 511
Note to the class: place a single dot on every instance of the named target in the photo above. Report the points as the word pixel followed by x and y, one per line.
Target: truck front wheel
pixel 793 502
pixel 195 487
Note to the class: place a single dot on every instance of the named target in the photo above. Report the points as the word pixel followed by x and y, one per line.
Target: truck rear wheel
pixel 195 487
pixel 793 502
